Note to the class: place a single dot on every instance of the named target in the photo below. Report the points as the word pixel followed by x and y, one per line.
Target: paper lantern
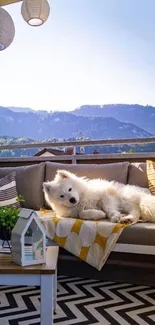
pixel 35 12
pixel 7 29
pixel 28 239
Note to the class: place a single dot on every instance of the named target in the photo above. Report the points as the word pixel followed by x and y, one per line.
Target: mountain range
pixel 94 122
pixel 142 116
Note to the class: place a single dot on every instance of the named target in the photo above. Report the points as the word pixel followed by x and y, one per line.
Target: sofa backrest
pixel 30 178
pixel 115 171
pixel 29 181
pixel 137 174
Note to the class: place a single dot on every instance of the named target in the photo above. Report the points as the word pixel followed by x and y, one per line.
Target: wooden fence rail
pixel 78 143
pixel 75 158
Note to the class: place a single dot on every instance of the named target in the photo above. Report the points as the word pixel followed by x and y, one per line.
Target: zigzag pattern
pixel 83 302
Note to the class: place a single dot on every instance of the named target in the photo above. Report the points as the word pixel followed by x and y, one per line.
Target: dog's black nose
pixel 72 200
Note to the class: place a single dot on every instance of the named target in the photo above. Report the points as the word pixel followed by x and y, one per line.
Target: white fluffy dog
pixel 72 196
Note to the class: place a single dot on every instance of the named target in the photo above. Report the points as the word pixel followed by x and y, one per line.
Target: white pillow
pixel 8 191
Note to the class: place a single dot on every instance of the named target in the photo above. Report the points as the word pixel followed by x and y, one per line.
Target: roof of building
pixel 55 152
pixel 58 152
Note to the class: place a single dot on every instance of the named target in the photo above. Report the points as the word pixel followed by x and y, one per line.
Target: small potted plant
pixel 8 218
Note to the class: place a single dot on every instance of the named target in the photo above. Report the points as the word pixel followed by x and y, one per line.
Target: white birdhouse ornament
pixel 28 239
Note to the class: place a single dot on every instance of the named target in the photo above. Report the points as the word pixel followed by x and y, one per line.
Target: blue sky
pixel 88 52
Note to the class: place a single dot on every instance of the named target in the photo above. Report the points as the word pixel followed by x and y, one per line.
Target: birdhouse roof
pixel 26 216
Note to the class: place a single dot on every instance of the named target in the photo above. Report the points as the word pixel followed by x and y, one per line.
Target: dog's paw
pixel 92 214
pixel 126 220
pixel 116 217
pixel 99 215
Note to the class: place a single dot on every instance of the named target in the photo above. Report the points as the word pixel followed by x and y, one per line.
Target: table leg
pixel 55 291
pixel 47 292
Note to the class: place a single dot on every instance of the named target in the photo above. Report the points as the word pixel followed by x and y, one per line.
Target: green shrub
pixel 9 215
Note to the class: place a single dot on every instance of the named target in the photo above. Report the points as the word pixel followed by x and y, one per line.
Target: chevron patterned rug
pixel 82 302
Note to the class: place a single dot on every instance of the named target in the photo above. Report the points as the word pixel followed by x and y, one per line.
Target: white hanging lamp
pixel 7 29
pixel 35 12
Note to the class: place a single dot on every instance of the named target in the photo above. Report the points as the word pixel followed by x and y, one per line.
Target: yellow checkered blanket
pixel 91 241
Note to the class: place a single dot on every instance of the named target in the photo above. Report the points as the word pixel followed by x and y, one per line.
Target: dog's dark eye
pixel 61 196
pixel 70 189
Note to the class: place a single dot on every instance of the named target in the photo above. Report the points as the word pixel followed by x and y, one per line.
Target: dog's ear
pixel 48 187
pixel 62 174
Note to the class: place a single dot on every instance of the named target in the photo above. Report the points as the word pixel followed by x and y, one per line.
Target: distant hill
pixel 16 153
pixel 142 116
pixel 21 109
pixel 62 125
pixel 19 152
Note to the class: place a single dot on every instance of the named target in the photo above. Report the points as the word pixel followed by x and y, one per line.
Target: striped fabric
pixel 150 168
pixel 8 191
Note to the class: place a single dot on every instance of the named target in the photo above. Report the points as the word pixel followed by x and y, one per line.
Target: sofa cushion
pixel 150 167
pixel 8 191
pixel 139 234
pixel 138 175
pixel 135 239
pixel 114 171
pixel 29 180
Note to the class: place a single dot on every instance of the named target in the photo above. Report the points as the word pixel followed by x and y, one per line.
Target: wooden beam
pixel 82 158
pixel 8 2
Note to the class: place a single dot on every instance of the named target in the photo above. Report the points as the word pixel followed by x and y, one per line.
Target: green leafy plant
pixel 20 198
pixel 9 216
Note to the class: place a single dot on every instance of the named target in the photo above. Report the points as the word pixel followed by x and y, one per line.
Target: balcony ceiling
pixel 7 2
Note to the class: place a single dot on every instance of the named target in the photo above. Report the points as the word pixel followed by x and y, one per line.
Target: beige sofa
pixel 133 258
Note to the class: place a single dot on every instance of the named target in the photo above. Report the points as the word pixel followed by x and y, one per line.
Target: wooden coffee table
pixel 44 275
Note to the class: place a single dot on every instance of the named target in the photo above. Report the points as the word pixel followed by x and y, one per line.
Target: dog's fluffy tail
pixel 147 208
